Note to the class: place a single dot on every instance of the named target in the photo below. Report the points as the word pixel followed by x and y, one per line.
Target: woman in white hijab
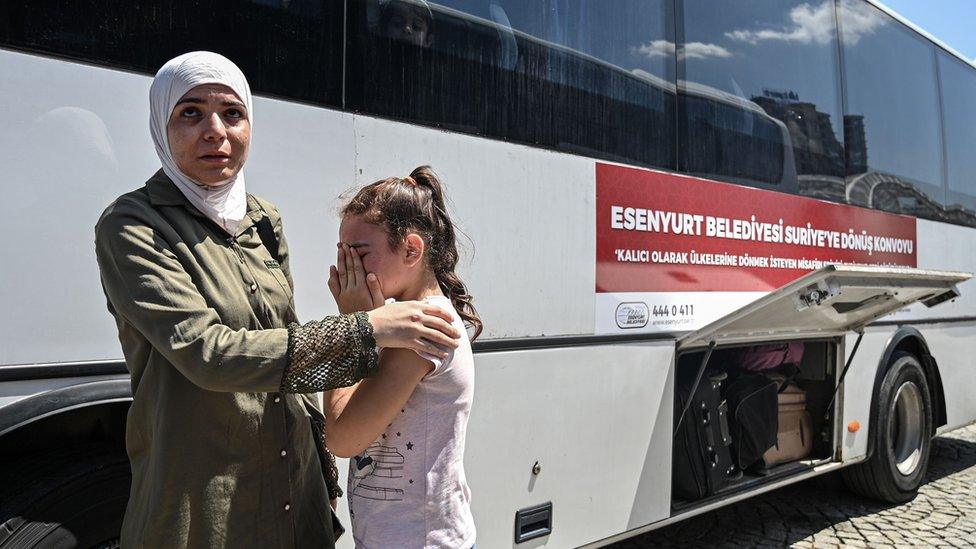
pixel 214 179
pixel 196 272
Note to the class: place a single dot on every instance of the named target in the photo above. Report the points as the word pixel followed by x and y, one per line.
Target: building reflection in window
pixel 958 94
pixel 780 57
pixel 893 115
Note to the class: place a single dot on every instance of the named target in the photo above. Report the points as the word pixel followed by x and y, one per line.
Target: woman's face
pixel 209 132
pixel 392 267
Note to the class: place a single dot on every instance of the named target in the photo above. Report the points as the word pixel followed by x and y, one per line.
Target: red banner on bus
pixel 660 232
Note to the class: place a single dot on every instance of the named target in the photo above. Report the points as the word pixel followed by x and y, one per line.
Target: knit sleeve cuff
pixel 335 352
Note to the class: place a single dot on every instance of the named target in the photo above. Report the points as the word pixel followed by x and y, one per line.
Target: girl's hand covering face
pixel 410 324
pixel 351 287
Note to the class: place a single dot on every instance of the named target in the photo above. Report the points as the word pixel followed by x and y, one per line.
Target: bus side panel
pixel 944 247
pixel 530 215
pixel 68 148
pixel 950 247
pixel 954 349
pixel 858 388
pixel 599 422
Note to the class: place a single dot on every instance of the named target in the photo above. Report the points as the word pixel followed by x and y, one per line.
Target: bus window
pixel 287 48
pixel 564 74
pixel 735 138
pixel 895 149
pixel 959 108
pixel 778 58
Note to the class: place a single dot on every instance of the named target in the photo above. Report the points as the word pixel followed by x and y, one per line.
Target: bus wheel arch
pixel 909 340
pixel 73 414
pixel 66 476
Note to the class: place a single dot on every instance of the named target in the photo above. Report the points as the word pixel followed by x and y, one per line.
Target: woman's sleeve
pixel 349 356
pixel 148 289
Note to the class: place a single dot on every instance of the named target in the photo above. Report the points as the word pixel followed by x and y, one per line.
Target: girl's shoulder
pixel 465 347
pixel 443 302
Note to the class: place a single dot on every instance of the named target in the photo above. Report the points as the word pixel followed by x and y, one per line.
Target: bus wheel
pixel 75 499
pixel 901 435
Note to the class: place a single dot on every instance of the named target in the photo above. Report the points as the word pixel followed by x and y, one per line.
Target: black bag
pixel 701 458
pixel 753 417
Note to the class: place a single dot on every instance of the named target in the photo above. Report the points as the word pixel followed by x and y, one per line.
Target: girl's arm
pixel 356 416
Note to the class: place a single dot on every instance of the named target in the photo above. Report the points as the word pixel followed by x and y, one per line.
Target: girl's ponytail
pixel 444 255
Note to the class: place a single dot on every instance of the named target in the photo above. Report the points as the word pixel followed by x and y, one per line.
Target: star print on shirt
pixel 409 446
pixel 398 433
pixel 411 481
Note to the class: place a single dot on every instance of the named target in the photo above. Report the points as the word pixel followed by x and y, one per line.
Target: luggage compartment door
pixel 828 302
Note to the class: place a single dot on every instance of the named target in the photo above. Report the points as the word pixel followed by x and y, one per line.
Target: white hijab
pixel 226 201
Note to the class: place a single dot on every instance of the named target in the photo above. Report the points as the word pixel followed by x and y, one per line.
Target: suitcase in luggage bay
pixel 701 458
pixel 794 439
pixel 753 418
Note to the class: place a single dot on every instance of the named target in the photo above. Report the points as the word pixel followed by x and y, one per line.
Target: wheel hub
pixel 905 436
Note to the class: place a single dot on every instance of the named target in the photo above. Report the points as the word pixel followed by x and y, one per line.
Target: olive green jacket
pixel 220 457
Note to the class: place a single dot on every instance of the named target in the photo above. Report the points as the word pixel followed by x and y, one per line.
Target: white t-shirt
pixel 408 488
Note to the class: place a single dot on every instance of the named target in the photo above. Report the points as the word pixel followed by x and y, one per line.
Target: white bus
pixel 638 178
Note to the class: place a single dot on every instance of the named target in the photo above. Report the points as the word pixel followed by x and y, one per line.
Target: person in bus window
pixel 196 272
pixel 407 21
pixel 405 428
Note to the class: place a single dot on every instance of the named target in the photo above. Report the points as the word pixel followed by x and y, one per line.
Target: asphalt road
pixel 811 515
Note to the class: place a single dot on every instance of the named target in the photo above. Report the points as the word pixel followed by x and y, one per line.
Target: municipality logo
pixel 632 314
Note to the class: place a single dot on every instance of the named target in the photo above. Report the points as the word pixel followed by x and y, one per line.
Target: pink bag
pixel 760 358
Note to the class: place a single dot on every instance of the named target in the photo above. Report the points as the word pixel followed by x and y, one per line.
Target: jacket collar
pixel 163 192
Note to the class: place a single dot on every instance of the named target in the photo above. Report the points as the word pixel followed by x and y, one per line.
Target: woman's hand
pixel 414 325
pixel 351 287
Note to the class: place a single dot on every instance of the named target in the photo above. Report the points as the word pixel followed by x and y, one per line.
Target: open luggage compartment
pixel 741 427
pixel 733 384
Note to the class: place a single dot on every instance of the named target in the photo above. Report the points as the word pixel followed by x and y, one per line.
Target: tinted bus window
pixel 892 117
pixel 288 48
pixel 588 77
pixel 959 105
pixel 760 95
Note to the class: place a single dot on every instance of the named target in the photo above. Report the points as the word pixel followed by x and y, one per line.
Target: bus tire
pixel 75 499
pixel 901 435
